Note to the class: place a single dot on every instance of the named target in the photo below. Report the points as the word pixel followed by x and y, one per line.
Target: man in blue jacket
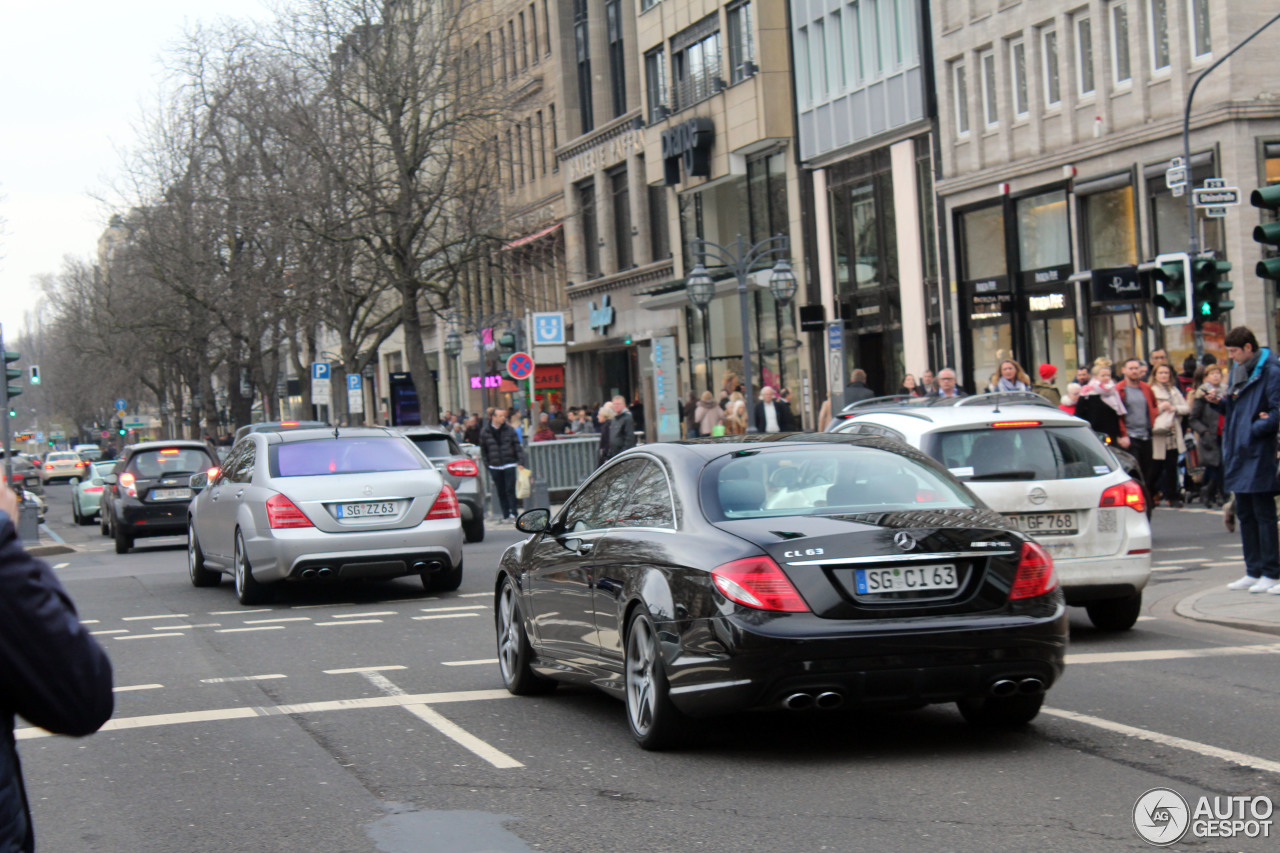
pixel 1251 404
pixel 52 673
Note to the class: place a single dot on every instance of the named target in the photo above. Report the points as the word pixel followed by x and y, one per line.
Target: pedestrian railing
pixel 565 462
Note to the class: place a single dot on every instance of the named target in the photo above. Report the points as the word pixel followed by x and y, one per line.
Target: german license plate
pixel 1046 523
pixel 365 510
pixel 907 579
pixel 170 494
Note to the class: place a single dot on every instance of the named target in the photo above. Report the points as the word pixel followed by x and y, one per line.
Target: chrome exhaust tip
pixel 798 701
pixel 830 700
pixel 309 574
pixel 418 567
pixel 1004 687
pixel 435 566
pixel 1030 686
pixel 325 573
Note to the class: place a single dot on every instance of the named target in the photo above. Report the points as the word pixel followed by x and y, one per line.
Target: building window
pixel 582 39
pixel 741 42
pixel 818 61
pixel 767 196
pixel 533 29
pixel 1198 10
pixel 1120 44
pixel 1110 226
pixel 1158 19
pixel 987 61
pixel 524 43
pixel 659 229
pixel 646 5
pixel 617 56
pixel 621 193
pixel 1052 91
pixel 1044 238
pixel 1084 55
pixel 804 85
pixel 546 25
pixel 1018 74
pixel 542 144
pixel 960 76
pixel 695 56
pixel 555 138
pixel 502 49
pixel 590 236
pixel 655 76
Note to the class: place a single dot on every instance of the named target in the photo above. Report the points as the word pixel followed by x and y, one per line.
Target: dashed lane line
pixel 239 612
pixel 185 627
pixel 468 662
pixel 110 631
pixel 145 636
pixel 278 619
pixel 90 621
pixel 370 613
pixel 451 609
pixel 133 687
pixel 350 622
pixel 362 669
pixel 476 595
pixel 161 616
pixel 443 616
pixel 255 628
pixel 234 678
pixel 1171 654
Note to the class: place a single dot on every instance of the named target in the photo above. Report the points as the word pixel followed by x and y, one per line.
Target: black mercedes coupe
pixel 801 571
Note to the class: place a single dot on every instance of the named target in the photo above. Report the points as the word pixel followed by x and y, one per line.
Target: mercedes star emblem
pixel 368 490
pixel 904 540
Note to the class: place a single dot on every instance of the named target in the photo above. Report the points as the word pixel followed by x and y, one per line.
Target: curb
pixel 1186 608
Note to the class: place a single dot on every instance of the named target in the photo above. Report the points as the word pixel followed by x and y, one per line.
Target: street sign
pixel 548 328
pixel 321 391
pixel 121 405
pixel 835 360
pixel 1216 212
pixel 134 423
pixel 57 435
pixel 520 365
pixel 1215 193
pixel 355 394
pixel 1175 175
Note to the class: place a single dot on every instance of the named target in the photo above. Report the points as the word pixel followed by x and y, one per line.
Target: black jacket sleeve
pixel 52 673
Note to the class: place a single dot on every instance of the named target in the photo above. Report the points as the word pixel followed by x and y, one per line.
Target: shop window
pixel 982 236
pixel 1110 228
pixel 1084 55
pixel 1122 73
pixel 1201 46
pixel 1158 35
pixel 1044 236
pixel 1169 212
pixel 1018 74
pixel 659 228
pixel 742 51
pixel 655 75
pixel 767 196
pixel 1052 90
pixel 695 57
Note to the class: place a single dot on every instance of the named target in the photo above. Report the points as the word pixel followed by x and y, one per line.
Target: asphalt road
pixel 373 719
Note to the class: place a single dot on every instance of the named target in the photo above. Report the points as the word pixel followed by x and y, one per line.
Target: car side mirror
pixel 534 520
pixel 109 480
pixel 198 481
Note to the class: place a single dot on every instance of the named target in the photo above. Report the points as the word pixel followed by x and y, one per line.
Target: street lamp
pixel 741 258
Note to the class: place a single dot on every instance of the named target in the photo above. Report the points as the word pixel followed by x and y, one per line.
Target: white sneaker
pixel 1275 590
pixel 1244 582
pixel 1264 584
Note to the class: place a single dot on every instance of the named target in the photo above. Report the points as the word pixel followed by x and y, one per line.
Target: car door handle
pixel 585 547
pixel 240 493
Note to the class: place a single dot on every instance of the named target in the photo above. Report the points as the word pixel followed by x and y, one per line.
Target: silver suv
pixel 458 470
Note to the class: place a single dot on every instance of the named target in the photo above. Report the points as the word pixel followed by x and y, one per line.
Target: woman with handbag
pixel 1166 433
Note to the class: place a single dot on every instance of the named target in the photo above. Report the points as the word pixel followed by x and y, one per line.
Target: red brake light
pixel 1035 573
pixel 169 452
pixel 92 490
pixel 282 512
pixel 1128 493
pixel 48 466
pixel 759 583
pixel 446 505
pixel 1014 424
pixel 288 423
pixel 463 468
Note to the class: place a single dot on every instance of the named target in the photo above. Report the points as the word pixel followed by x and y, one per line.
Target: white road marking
pixel 1172 654
pixel 112 631
pixel 468 662
pixel 238 612
pixel 451 609
pixel 313 606
pixel 1182 548
pixel 231 678
pixel 1240 758
pixel 380 681
pixel 184 627
pixel 61 565
pixel 1237 564
pixel 258 628
pixel 354 622
pixel 444 616
pixel 89 621
pixel 163 616
pixel 475 595
pixel 361 669
pixel 1147 618
pixel 136 687
pixel 145 636
pixel 371 613
pixel 278 619
pixel 1182 562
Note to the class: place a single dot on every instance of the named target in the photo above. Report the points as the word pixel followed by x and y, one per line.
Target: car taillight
pixel 446 505
pixel 48 466
pixel 282 512
pixel 759 583
pixel 1128 493
pixel 463 468
pixel 1035 573
pixel 130 484
pixel 92 490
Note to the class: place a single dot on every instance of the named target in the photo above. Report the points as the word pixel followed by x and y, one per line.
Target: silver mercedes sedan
pixel 318 505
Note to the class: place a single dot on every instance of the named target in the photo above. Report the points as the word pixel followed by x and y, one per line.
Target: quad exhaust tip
pixel 324 573
pixel 309 574
pixel 827 700
pixel 1029 686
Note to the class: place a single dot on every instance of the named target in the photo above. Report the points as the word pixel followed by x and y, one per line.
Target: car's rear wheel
pixel 248 590
pixel 515 654
pixel 445 581
pixel 655 722
pixel 123 540
pixel 103 522
pixel 1001 712
pixel 473 530
pixel 75 511
pixel 200 576
pixel 1115 614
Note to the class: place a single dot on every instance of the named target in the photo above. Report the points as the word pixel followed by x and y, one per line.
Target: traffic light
pixel 507 342
pixel 1174 292
pixel 1211 288
pixel 12 373
pixel 1268 233
pixel 34 372
pixel 118 425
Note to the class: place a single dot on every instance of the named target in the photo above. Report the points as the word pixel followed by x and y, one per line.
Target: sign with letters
pixel 689 145
pixel 355 394
pixel 1117 284
pixel 321 392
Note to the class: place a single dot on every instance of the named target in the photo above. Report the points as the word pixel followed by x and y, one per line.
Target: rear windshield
pixel 1036 453
pixel 436 446
pixel 830 481
pixel 102 469
pixel 344 456
pixel 62 457
pixel 166 462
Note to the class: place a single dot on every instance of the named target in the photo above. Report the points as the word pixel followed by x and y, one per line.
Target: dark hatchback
pixel 808 571
pixel 149 492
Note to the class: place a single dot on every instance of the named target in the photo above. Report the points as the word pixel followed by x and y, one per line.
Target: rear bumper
pixel 1093 578
pixel 153 519
pixel 277 555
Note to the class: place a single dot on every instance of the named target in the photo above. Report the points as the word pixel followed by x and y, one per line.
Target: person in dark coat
pixel 622 429
pixel 1206 423
pixel 781 421
pixel 503 454
pixel 1251 406
pixel 857 388
pixel 52 673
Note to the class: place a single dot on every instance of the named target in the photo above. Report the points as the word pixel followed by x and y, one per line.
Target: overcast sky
pixel 76 77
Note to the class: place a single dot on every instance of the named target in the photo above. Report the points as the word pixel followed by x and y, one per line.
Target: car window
pixel 354 455
pixel 824 482
pixel 228 465
pixel 243 471
pixel 102 469
pixel 167 462
pixel 63 457
pixel 1004 454
pixel 436 446
pixel 598 505
pixel 649 504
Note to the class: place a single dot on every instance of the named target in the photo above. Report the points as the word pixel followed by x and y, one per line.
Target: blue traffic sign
pixel 320 370
pixel 121 405
pixel 548 328
pixel 355 382
pixel 520 365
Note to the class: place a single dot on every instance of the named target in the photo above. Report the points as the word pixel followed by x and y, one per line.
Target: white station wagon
pixel 1046 471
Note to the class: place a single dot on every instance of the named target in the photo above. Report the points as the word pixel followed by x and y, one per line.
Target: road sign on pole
pixel 121 405
pixel 355 394
pixel 1176 175
pixel 1215 194
pixel 321 391
pixel 520 365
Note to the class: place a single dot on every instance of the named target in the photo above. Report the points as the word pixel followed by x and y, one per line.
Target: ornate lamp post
pixel 741 258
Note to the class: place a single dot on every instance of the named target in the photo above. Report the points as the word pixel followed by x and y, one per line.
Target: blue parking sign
pixel 355 382
pixel 319 370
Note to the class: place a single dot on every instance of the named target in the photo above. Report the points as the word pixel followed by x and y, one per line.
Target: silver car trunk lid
pixel 341 503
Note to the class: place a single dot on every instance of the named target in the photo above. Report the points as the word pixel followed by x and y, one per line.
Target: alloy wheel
pixel 508 634
pixel 642 653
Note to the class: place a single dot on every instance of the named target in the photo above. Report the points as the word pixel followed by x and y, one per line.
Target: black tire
pixel 75 511
pixel 200 576
pixel 654 720
pixel 123 540
pixel 515 654
pixel 1001 712
pixel 446 581
pixel 473 530
pixel 1115 614
pixel 248 590
pixel 104 522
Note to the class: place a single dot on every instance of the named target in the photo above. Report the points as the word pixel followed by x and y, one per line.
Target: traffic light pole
pixel 8 427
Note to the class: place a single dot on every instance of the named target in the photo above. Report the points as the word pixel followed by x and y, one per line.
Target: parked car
pixel 1050 475
pixel 459 470
pixel 86 496
pixel 62 465
pixel 323 505
pixel 277 426
pixel 779 571
pixel 26 477
pixel 148 493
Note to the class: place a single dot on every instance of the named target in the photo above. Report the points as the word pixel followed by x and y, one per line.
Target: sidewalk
pixel 1233 608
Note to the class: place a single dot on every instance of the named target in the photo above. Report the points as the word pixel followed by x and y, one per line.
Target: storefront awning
pixel 529 238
